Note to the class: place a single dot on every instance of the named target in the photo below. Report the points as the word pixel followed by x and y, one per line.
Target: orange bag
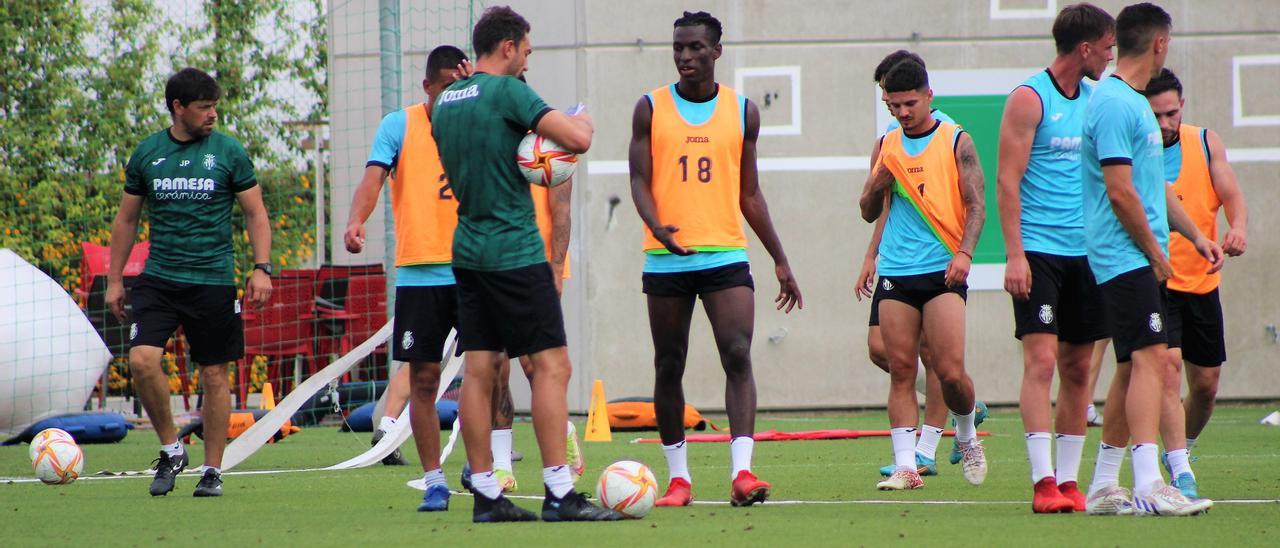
pixel 629 414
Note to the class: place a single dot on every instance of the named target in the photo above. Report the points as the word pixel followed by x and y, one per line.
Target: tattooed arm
pixel 973 194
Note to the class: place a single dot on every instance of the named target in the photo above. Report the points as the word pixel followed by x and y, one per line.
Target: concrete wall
pixel 609 53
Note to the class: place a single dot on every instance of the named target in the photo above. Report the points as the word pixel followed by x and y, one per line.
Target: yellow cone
pixel 268 397
pixel 598 416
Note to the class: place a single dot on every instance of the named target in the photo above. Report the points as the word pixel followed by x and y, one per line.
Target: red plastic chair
pixel 283 328
pixel 94 264
pixel 367 310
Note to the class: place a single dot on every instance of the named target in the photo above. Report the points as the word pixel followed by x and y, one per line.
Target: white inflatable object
pixel 50 355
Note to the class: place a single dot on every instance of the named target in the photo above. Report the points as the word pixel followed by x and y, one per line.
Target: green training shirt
pixel 478 124
pixel 189 189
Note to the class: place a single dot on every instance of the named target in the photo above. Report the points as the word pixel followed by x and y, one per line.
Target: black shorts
pixel 916 290
pixel 209 316
pixel 697 282
pixel 1195 326
pixel 514 311
pixel 424 317
pixel 875 310
pixel 1064 300
pixel 1135 309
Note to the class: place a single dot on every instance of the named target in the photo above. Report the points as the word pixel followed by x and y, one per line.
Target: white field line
pixel 145 474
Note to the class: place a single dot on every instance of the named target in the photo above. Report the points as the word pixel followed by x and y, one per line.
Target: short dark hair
pixel 1165 81
pixel 892 59
pixel 498 24
pixel 1137 25
pixel 693 18
pixel 907 75
pixel 1083 22
pixel 190 84
pixel 443 58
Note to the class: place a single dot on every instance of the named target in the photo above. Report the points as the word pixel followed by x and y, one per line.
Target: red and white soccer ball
pixel 544 162
pixel 629 488
pixel 59 461
pixel 45 436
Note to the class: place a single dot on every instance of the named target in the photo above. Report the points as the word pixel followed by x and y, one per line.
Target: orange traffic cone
pixel 598 416
pixel 268 397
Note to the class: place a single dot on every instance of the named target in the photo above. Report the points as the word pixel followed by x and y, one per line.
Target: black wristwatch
pixel 265 267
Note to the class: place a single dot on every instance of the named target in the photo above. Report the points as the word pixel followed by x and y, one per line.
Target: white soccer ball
pixel 59 462
pixel 544 162
pixel 45 436
pixel 629 488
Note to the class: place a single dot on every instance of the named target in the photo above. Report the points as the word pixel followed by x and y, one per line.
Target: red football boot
pixel 679 493
pixel 748 489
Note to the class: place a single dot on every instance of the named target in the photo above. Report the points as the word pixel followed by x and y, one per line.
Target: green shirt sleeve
pixel 521 105
pixel 242 175
pixel 134 183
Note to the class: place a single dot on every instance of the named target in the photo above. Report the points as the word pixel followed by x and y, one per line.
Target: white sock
pixel 1091 414
pixel 1191 443
pixel 500 446
pixel 1038 452
pixel 740 454
pixel 435 477
pixel 1106 470
pixel 174 449
pixel 1070 449
pixel 486 485
pixel 216 471
pixel 1179 463
pixel 927 445
pixel 558 480
pixel 904 447
pixel 677 461
pixel 966 431
pixel 385 423
pixel 1146 468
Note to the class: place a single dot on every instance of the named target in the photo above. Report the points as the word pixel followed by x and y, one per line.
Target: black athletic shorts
pixel 1195 326
pixel 697 282
pixel 875 309
pixel 209 316
pixel 1135 305
pixel 916 290
pixel 1064 300
pixel 516 311
pixel 424 317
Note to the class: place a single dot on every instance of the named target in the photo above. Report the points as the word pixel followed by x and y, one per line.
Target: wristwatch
pixel 265 267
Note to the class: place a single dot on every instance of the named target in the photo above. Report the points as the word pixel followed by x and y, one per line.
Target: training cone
pixel 1270 420
pixel 268 397
pixel 597 416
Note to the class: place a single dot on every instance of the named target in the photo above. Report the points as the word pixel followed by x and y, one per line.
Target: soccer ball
pixel 629 488
pixel 59 461
pixel 45 436
pixel 543 162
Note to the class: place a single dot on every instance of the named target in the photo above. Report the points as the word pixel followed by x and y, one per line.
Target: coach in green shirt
pixel 188 176
pixel 507 300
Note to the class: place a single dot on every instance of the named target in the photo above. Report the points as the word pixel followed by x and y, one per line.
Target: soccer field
pixel 824 494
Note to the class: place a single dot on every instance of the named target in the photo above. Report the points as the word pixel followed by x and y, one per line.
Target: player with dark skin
pixel 731 311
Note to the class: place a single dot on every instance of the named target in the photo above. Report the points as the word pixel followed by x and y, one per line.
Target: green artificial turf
pixel 1237 459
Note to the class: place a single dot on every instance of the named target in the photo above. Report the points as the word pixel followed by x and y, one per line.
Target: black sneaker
pixel 489 510
pixel 574 507
pixel 210 485
pixel 395 458
pixel 167 470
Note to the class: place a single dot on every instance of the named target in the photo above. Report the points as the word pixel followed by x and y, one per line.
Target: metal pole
pixel 321 241
pixel 389 60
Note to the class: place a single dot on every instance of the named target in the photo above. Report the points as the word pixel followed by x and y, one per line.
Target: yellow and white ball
pixel 59 461
pixel 544 162
pixel 45 436
pixel 629 488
